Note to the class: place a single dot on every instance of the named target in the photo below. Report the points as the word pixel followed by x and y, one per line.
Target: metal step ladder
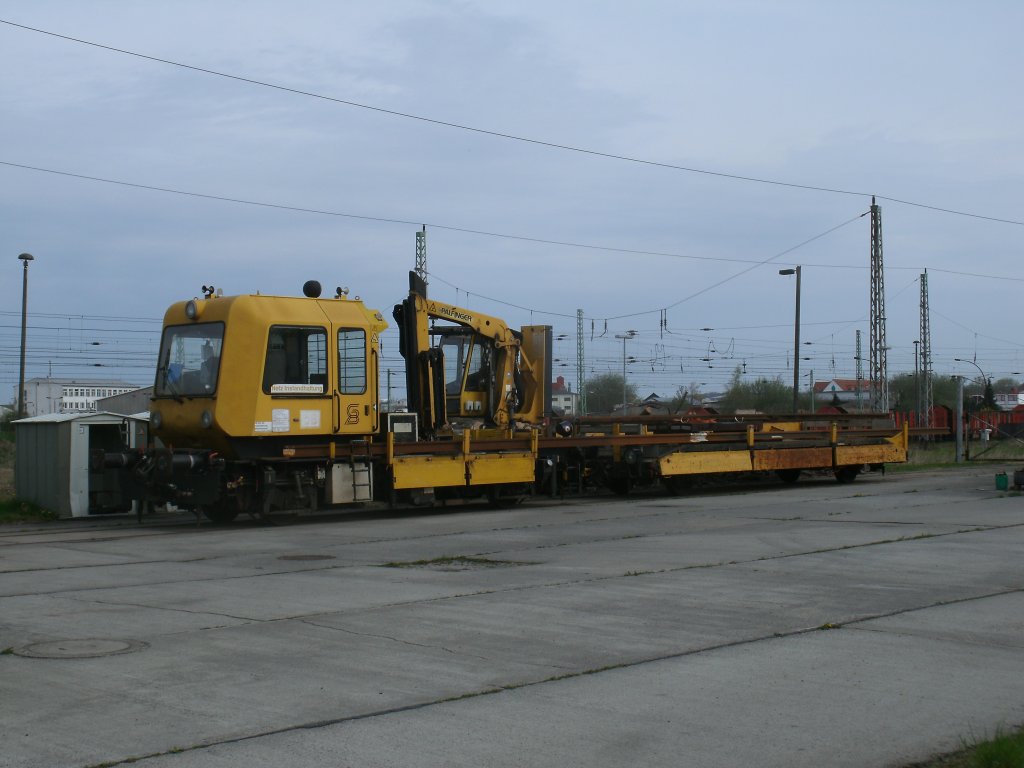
pixel 359 462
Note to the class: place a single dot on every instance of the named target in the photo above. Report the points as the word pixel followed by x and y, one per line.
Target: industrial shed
pixel 52 461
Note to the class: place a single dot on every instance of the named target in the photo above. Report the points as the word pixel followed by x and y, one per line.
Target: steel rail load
pixel 267 403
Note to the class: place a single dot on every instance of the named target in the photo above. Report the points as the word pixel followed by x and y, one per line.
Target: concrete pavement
pixel 869 624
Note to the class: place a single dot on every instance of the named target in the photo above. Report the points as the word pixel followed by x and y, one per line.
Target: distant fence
pixel 999 423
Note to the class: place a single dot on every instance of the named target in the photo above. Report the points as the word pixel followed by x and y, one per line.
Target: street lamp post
pixel 984 384
pixel 624 336
pixel 796 338
pixel 984 376
pixel 25 258
pixel 959 419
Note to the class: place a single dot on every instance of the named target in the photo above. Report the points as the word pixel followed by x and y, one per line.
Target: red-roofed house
pixel 841 391
pixel 563 399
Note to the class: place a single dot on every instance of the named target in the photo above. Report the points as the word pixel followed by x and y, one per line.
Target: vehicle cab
pixel 236 372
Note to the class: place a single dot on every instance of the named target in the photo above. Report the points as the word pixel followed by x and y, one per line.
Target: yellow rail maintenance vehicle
pixel 243 381
pixel 265 403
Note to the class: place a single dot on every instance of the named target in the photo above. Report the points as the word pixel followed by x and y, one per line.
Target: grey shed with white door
pixel 51 466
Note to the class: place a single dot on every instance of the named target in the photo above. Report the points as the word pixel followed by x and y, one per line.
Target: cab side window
pixel 352 361
pixel 296 361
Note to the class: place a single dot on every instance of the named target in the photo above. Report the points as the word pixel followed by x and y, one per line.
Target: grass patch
pixel 1004 750
pixel 942 454
pixel 17 511
pixel 454 562
pixel 922 466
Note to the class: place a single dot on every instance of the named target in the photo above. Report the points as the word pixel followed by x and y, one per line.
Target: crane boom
pixel 481 370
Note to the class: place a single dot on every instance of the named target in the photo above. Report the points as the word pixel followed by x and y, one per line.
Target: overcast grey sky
pixel 918 101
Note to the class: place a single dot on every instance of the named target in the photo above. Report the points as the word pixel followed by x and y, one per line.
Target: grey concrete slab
pixel 242 645
pixel 838 698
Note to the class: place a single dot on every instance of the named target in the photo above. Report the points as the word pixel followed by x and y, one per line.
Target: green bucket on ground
pixel 1002 482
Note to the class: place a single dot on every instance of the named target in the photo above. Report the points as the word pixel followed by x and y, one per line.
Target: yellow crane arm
pixel 517 378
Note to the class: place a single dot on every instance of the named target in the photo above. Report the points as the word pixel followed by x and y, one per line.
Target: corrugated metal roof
pixel 82 382
pixel 60 418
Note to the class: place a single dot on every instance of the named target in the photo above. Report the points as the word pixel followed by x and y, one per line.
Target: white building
pixel 1007 401
pixel 563 399
pixel 45 395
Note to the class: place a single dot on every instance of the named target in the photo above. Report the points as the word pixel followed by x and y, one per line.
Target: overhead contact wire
pixel 507 136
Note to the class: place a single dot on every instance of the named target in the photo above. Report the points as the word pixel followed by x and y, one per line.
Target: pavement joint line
pixel 106 565
pixel 68 590
pixel 393 639
pixel 936 604
pixel 246 619
pixel 329 722
pixel 134 533
pixel 936 638
pixel 833 519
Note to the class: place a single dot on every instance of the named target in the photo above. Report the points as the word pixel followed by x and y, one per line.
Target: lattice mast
pixel 860 375
pixel 879 372
pixel 421 254
pixel 581 371
pixel 926 355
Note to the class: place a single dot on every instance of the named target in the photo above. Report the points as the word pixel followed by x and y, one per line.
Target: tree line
pixel 774 395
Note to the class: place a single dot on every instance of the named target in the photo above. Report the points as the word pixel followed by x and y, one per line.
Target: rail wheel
pixel 268 511
pixel 788 476
pixel 504 498
pixel 221 513
pixel 676 485
pixel 618 485
pixel 846 474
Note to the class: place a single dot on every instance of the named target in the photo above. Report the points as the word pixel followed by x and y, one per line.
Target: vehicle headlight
pixel 206 419
pixel 192 310
pixel 156 420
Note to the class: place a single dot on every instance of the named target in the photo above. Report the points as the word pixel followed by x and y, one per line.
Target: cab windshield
pixel 189 360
